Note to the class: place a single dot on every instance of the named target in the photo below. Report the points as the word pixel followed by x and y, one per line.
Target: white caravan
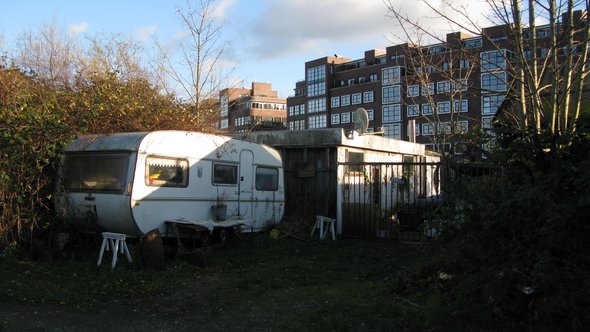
pixel 133 183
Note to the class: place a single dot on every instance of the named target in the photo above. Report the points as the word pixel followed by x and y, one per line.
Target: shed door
pixel 246 183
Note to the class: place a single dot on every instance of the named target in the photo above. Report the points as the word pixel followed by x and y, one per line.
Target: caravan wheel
pixel 222 235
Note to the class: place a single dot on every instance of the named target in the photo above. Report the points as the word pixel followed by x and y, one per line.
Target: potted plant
pixel 220 207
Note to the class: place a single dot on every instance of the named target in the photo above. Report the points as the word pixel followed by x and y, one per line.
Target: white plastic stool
pixel 113 242
pixel 325 225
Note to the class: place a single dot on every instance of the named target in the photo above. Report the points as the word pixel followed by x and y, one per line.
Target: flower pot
pixel 220 212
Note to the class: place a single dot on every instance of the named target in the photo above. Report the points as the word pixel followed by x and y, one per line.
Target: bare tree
pixel 113 55
pixel 546 65
pixel 49 54
pixel 199 70
pixel 437 80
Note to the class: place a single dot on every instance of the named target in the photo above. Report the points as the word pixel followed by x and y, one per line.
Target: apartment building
pixel 258 108
pixel 429 94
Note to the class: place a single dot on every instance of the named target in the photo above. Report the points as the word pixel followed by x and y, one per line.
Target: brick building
pixel 258 108
pixel 431 94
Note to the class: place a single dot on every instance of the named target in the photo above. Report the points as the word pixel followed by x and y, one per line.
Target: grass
pixel 281 285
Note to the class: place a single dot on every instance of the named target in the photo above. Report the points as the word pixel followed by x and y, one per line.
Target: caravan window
pixel 267 178
pixel 95 172
pixel 166 172
pixel 224 174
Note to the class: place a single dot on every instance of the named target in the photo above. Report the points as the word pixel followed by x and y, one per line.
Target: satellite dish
pixel 361 120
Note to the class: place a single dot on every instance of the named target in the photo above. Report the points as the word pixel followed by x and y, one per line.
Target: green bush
pixel 517 248
pixel 37 119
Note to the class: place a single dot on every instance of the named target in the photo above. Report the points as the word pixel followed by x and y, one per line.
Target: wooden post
pixel 152 251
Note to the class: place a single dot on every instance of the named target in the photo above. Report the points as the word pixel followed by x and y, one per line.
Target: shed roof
pixel 334 137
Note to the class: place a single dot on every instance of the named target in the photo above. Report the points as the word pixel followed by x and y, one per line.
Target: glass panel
pixel 166 172
pixel 96 172
pixel 267 178
pixel 225 174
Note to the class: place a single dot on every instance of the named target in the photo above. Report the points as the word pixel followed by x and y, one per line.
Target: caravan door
pixel 246 184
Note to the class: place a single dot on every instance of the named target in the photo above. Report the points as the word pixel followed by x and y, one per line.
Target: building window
pixel 316 81
pixel 413 110
pixel 370 115
pixel 543 53
pixel 461 127
pixel 316 105
pixel 493 60
pixel 463 64
pixel 426 109
pixel 487 123
pixel 392 113
pixel 223 106
pixel 301 109
pixel 542 33
pixel 393 130
pixel 224 124
pixel 356 98
pixel 316 121
pixel 350 81
pixel 242 121
pixel 297 125
pixel 443 107
pixel 426 129
pixel 493 82
pixel 460 106
pixel 428 89
pixel 368 97
pixel 391 75
pixel 413 90
pixel 335 101
pixel 491 103
pixel 335 119
pixel 373 78
pixel 391 94
pixel 397 57
pixel 471 43
pixel 354 158
pixel 443 87
pixel 345 100
pixel 345 117
pixel 443 127
pixel 460 85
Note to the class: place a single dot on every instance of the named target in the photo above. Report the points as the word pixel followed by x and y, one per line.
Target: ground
pixel 285 285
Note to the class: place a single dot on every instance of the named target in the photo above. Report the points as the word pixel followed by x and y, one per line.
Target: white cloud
pixel 302 26
pixel 283 27
pixel 221 7
pixel 145 32
pixel 77 28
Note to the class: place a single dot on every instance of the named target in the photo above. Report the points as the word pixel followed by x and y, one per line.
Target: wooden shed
pixel 315 162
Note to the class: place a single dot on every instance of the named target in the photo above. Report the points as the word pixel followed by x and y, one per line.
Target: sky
pixel 268 40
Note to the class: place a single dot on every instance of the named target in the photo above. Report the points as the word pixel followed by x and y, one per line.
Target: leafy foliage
pixel 516 244
pixel 37 119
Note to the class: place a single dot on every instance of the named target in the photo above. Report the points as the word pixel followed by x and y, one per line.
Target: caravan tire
pixel 222 235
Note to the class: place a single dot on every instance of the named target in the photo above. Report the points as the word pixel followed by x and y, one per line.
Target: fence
pixel 396 200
